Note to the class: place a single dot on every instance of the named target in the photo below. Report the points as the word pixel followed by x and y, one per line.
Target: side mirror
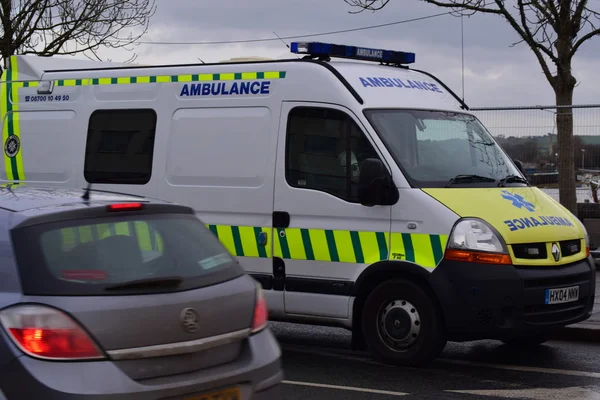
pixel 519 165
pixel 375 185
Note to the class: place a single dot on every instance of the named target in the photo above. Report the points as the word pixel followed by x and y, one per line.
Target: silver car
pixel 110 296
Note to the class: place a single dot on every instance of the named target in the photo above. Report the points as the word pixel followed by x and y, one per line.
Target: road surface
pixel 319 365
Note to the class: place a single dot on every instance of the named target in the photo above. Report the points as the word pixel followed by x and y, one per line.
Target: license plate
pixel 562 295
pixel 227 394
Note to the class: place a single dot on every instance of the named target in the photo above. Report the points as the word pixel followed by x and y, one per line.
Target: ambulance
pixel 360 192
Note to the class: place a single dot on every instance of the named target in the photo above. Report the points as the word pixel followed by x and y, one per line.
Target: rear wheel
pixel 527 340
pixel 402 325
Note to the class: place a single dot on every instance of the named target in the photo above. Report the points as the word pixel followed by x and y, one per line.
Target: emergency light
pixel 318 49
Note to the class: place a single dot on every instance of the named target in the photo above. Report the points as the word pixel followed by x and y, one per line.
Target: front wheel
pixel 402 325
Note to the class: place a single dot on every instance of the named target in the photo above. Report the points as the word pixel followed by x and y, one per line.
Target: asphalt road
pixel 319 365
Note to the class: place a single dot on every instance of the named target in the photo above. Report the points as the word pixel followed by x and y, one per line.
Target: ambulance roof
pixel 384 86
pixel 33 67
pixel 380 85
pixel 376 78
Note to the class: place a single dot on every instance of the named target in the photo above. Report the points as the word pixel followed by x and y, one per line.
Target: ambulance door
pixel 323 237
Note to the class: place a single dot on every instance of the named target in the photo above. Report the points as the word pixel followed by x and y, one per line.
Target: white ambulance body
pixel 272 155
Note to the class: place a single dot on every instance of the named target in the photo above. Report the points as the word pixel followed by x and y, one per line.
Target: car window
pixel 325 148
pixel 120 146
pixel 432 147
pixel 86 257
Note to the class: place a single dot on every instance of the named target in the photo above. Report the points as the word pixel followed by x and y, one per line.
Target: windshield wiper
pixel 469 179
pixel 513 178
pixel 165 281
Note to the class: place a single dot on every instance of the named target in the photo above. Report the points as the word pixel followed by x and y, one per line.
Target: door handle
pixel 281 219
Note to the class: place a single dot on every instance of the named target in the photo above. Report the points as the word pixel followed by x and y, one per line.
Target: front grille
pixel 570 247
pixel 530 251
pixel 539 251
pixel 557 281
pixel 555 313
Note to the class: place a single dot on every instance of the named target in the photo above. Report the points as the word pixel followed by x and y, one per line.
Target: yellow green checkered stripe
pixel 234 76
pixel 363 247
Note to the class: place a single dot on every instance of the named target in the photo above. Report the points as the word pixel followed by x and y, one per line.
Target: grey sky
pixel 495 74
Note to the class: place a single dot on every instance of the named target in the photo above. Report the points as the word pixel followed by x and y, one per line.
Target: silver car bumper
pixel 257 372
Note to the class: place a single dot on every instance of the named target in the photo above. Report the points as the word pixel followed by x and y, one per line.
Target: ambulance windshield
pixel 433 147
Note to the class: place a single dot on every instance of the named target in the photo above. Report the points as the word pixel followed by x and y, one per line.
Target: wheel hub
pixel 399 324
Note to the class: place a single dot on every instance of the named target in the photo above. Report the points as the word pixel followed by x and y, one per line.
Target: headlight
pixel 585 236
pixel 473 240
pixel 476 235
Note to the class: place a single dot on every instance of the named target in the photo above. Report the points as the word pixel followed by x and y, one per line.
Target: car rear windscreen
pixel 97 256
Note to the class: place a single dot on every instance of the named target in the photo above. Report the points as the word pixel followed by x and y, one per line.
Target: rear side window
pixel 91 257
pixel 120 146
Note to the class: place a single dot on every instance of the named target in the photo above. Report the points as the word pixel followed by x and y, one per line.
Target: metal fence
pixel 529 134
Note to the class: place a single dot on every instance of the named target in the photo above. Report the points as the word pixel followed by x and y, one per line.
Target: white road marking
pixel 575 392
pixel 347 355
pixel 337 354
pixel 347 388
pixel 521 368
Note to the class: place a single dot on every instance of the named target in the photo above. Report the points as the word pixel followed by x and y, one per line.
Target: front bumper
pixel 257 372
pixel 481 301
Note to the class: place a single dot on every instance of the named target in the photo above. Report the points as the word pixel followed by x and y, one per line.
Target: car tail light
pixel 44 332
pixel 261 314
pixel 125 207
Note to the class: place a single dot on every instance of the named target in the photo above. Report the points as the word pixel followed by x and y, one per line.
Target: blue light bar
pixel 318 49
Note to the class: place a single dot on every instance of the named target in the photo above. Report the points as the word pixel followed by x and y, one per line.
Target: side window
pixel 324 150
pixel 120 146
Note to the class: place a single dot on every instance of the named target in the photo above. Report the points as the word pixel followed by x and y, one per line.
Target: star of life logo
pixel 518 201
pixel 12 146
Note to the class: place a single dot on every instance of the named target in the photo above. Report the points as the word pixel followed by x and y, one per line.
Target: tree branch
pixel 481 6
pixel 533 31
pixel 552 7
pixel 366 5
pixel 577 15
pixel 56 24
pixel 543 8
pixel 583 39
pixel 525 33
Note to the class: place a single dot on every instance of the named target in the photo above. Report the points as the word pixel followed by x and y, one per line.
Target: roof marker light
pixel 124 207
pixel 318 49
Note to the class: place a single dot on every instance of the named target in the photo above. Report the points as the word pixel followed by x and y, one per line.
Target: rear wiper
pixel 468 179
pixel 166 281
pixel 513 178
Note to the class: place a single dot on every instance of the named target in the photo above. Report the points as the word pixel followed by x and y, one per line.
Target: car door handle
pixel 281 219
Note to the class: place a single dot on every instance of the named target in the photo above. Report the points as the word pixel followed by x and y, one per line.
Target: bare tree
pixel 554 30
pixel 68 27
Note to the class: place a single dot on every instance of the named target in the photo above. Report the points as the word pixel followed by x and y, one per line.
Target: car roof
pixel 23 197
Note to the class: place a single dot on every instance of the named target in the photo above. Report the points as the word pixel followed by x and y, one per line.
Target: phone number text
pixel 58 97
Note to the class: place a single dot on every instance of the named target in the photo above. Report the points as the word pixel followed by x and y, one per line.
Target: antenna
pixel 283 41
pixel 201 60
pixel 462 50
pixel 86 194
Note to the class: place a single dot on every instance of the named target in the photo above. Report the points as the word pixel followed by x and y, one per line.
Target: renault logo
pixel 555 252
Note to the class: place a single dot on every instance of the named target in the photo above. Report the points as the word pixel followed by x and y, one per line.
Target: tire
pixel 410 311
pixel 527 340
